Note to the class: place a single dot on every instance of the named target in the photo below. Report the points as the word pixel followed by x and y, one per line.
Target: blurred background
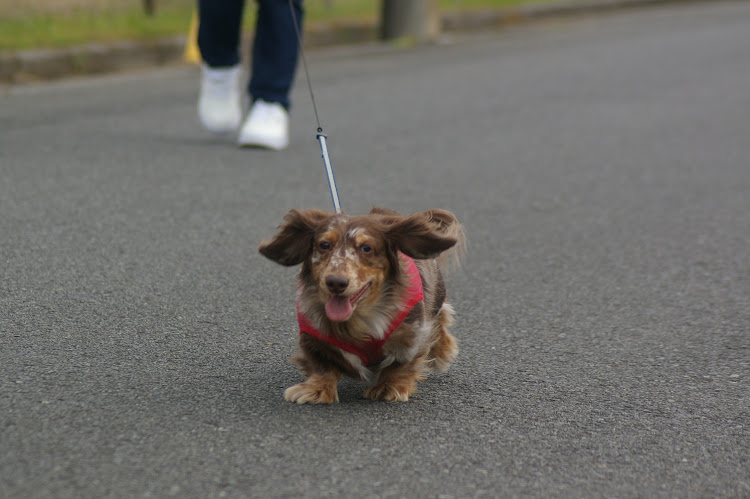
pixel 63 23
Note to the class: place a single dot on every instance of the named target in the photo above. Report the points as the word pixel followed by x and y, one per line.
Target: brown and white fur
pixel 351 286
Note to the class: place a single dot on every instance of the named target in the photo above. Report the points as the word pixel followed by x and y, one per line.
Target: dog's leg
pixel 445 348
pixel 320 388
pixel 397 383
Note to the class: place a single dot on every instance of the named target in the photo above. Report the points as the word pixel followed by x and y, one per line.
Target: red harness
pixel 371 352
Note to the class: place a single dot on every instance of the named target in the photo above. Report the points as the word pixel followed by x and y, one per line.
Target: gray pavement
pixel 601 168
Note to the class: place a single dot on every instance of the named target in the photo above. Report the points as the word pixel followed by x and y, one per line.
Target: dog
pixel 371 302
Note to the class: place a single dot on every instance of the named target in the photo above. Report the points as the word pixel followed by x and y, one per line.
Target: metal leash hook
pixel 329 170
pixel 321 136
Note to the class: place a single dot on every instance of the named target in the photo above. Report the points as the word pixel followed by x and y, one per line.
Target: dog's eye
pixel 324 245
pixel 365 248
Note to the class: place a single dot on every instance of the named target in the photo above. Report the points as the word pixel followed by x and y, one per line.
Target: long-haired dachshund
pixel 371 302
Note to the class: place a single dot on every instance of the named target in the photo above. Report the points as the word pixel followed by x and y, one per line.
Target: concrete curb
pixel 48 64
pixel 94 58
pixel 461 21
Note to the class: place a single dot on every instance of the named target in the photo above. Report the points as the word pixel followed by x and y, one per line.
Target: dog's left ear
pixel 291 245
pixel 425 234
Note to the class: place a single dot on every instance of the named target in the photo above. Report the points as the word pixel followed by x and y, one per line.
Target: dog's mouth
pixel 339 307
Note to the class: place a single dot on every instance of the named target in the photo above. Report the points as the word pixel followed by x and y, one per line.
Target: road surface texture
pixel 601 167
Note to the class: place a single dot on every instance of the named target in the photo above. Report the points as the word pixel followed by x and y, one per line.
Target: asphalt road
pixel 601 167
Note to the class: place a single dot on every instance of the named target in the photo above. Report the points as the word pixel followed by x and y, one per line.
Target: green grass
pixel 28 29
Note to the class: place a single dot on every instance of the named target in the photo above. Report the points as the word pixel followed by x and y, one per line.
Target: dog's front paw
pixel 389 393
pixel 311 392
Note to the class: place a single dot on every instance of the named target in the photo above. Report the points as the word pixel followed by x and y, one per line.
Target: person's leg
pixel 219 31
pixel 275 51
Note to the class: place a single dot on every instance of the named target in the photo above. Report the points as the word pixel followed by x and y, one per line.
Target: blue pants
pixel 275 48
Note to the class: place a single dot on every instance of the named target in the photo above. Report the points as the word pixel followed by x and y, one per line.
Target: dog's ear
pixel 425 234
pixel 378 210
pixel 293 242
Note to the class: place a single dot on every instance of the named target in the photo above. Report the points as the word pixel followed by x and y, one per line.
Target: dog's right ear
pixel 291 245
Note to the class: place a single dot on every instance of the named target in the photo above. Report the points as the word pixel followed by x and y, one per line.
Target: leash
pixel 322 137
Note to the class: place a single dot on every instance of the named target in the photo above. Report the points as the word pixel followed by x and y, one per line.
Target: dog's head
pixel 351 258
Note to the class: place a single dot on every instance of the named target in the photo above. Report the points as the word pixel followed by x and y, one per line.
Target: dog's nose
pixel 337 283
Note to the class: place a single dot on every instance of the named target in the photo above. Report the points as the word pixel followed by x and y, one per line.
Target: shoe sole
pixel 220 128
pixel 260 144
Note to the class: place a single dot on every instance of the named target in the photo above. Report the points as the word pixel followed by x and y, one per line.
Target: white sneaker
pixel 219 104
pixel 267 125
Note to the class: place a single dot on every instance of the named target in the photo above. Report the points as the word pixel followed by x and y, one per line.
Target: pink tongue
pixel 338 308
